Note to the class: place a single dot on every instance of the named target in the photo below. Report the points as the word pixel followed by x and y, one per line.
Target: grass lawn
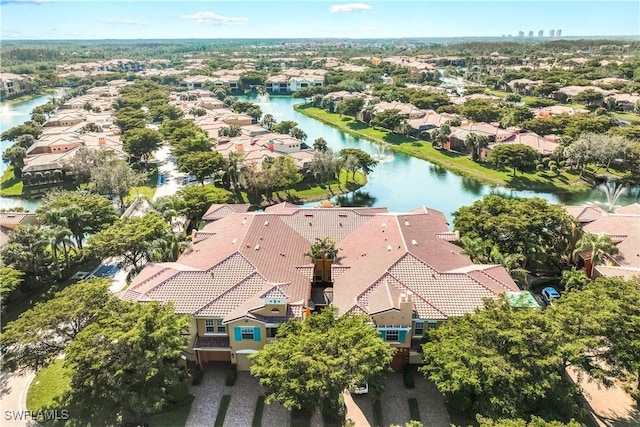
pixel 50 383
pixel 455 162
pixel 149 188
pixel 174 418
pixel 630 117
pixel 503 94
pixel 10 186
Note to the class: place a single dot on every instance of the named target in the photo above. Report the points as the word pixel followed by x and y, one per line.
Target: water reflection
pixel 438 172
pixel 355 199
pixel 472 186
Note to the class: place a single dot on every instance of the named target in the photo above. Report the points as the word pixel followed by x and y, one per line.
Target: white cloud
pixel 210 18
pixel 349 7
pixel 120 21
pixel 5 2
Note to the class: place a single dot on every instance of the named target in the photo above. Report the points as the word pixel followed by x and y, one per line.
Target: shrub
pixel 257 415
pixel 377 413
pixel 222 410
pixel 196 376
pixel 232 376
pixel 414 410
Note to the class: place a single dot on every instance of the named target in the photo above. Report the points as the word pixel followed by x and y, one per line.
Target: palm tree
pixel 56 236
pixel 268 121
pixel 298 133
pixel 323 248
pixel 478 249
pixel 595 247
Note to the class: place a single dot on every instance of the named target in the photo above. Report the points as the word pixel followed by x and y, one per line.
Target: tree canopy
pixel 311 362
pixel 517 156
pixel 201 164
pixel 543 233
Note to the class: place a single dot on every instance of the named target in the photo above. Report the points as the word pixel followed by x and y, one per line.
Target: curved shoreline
pixel 576 186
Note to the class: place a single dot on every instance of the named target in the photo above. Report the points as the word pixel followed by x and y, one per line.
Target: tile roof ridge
pixel 483 272
pixel 158 273
pixel 236 252
pixel 404 242
pixel 228 290
pixel 417 294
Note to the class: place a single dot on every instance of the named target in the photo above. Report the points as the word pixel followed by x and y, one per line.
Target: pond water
pixel 400 182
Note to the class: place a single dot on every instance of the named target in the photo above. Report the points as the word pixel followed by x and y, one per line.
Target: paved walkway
pixel 610 406
pixel 13 398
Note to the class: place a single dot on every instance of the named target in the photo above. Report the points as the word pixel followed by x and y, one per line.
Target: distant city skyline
pixel 143 19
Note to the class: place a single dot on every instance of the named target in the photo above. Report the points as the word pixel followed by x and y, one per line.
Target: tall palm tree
pixel 596 247
pixel 268 121
pixel 323 248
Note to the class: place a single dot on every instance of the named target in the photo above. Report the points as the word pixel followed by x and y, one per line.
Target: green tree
pixel 113 359
pixel 283 174
pixel 201 164
pixel 129 118
pixel 196 200
pixel 116 179
pixel 80 211
pixel 10 280
pixel 15 155
pixel 16 132
pixel 574 279
pixel 595 247
pixel 284 127
pixel 268 121
pixel 128 238
pixel 590 97
pixel 475 143
pixel 41 333
pixel 312 362
pixel 543 233
pixel 298 133
pixel 388 119
pixel 26 250
pixel 517 156
pixel 519 422
pixel 320 144
pixel 351 106
pixel 485 361
pixel 199 142
pixel 86 160
pixel 139 143
pixel 365 163
pixel 480 111
pixel 323 166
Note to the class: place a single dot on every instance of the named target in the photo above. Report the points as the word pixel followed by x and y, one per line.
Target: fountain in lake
pixel 5 111
pixel 382 154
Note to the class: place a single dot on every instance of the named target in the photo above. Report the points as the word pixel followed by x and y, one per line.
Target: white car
pixel 361 388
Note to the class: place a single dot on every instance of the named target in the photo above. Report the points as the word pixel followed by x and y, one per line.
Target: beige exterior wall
pixel 241 359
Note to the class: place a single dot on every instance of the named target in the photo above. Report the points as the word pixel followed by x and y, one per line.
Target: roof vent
pixel 384 224
pixel 388 247
pixel 406 222
pixel 257 247
pixel 233 242
pixel 414 243
pixel 266 223
pixel 244 221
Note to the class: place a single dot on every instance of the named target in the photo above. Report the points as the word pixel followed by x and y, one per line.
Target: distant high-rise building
pixel 520 33
pixel 531 33
pixel 559 33
pixel 541 33
pixel 552 33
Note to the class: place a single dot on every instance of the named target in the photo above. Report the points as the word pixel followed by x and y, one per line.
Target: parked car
pixel 549 294
pixel 361 388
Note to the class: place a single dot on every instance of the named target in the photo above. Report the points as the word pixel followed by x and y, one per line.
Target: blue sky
pixel 146 19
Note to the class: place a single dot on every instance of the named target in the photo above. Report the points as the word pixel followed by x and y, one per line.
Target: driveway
pixel 244 395
pixel 395 405
pixel 13 398
pixel 169 179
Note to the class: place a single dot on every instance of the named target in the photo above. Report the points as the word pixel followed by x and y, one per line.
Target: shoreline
pixel 448 160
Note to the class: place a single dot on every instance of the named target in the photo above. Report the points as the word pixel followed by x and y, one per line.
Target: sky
pixel 175 19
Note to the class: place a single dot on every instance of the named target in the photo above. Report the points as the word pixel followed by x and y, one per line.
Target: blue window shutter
pixel 237 333
pixel 256 334
pixel 383 335
pixel 402 335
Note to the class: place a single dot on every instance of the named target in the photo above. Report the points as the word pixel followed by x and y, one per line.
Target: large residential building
pixel 14 84
pixel 246 273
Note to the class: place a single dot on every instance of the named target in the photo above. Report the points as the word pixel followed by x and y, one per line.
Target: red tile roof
pixel 216 211
pixel 238 261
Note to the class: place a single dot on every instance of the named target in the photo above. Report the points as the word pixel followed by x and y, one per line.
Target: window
pixel 222 329
pixel 418 327
pixel 271 332
pixel 209 326
pixel 246 333
pixel 432 324
pixel 393 336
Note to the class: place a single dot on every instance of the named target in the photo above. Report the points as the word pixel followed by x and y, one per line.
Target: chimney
pixel 270 145
pixel 102 141
pixel 240 147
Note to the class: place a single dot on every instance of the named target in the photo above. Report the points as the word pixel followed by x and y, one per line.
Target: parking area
pixel 244 395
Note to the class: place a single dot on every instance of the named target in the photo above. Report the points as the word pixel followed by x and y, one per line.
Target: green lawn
pixel 503 94
pixel 10 186
pixel 458 163
pixel 630 117
pixel 49 384
pixel 149 188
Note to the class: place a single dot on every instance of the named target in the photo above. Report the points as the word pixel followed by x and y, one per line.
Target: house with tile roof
pixel 623 227
pixel 246 273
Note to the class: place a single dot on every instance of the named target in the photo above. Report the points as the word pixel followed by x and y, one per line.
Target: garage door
pixel 215 356
pixel 244 363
